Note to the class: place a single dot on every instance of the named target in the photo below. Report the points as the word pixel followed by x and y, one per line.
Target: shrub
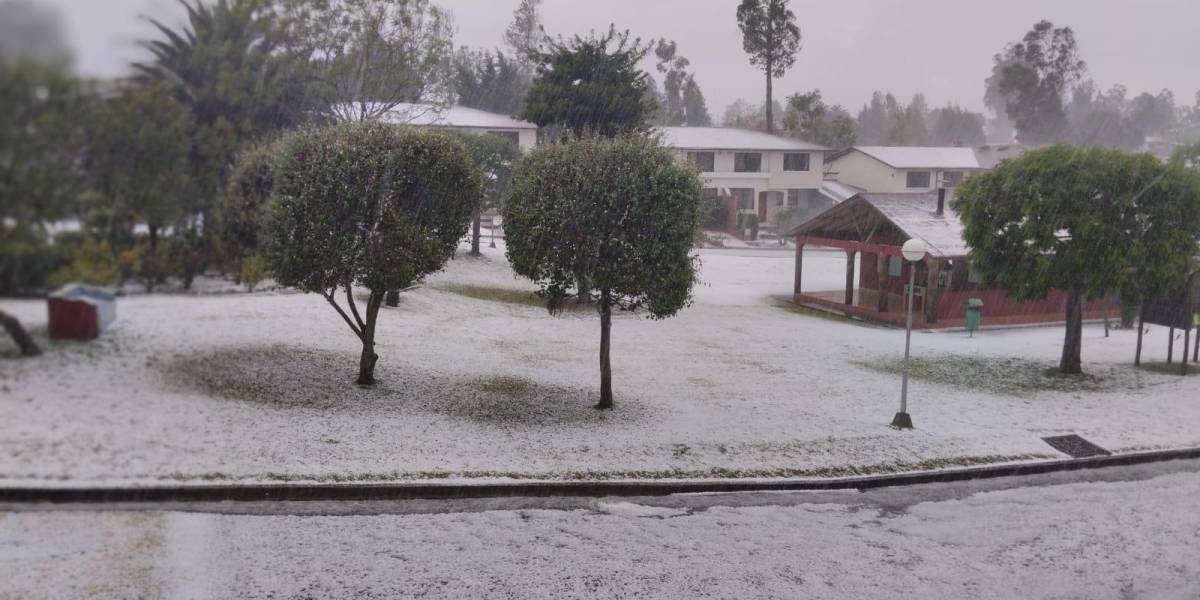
pixel 254 270
pixel 92 263
pixel 27 265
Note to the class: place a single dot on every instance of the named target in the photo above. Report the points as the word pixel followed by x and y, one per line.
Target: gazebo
pixel 871 227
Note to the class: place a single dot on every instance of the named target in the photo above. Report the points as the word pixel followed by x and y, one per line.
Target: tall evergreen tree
pixel 694 107
pixel 591 84
pixel 953 125
pixel 771 37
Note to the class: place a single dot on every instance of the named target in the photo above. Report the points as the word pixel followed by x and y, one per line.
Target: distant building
pixel 461 118
pixel 751 172
pixel 902 169
pixel 871 228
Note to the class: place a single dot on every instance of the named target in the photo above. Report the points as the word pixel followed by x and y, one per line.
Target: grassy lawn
pixel 1014 376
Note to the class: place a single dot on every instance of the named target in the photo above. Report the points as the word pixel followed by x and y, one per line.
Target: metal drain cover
pixel 1075 446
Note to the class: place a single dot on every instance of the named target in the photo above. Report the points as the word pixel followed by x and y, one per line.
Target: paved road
pixel 1125 532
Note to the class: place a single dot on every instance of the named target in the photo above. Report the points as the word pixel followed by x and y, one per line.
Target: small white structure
pixel 461 118
pixel 751 171
pixel 902 169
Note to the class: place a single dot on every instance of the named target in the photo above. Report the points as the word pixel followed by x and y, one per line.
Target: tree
pixel 1165 236
pixel 373 55
pixel 489 81
pixel 247 193
pixel 953 125
pixel 369 204
pixel 229 64
pixel 1029 79
pixel 494 157
pixel 590 84
pixel 809 119
pixel 1187 156
pixel 525 34
pixel 25 343
pixel 741 113
pixel 771 38
pixel 694 107
pixel 908 123
pixel 33 31
pixel 1056 218
pixel 140 159
pixel 624 209
pixel 875 120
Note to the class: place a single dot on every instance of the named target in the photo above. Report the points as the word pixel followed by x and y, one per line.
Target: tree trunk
pixel 1171 345
pixel 392 298
pixel 475 225
pixel 884 282
pixel 770 109
pixel 1073 341
pixel 1196 347
pixel 19 335
pixel 606 396
pixel 1141 325
pixel 366 364
pixel 583 292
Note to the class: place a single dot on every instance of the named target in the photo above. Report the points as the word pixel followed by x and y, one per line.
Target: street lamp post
pixel 913 251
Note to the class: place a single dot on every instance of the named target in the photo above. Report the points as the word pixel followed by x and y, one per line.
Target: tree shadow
pixel 291 377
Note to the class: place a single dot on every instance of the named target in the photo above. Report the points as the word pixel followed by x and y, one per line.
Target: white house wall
pixel 859 170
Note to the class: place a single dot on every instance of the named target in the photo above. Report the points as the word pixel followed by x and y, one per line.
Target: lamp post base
pixel 902 421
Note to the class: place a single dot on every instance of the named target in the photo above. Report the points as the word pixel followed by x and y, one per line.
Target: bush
pixel 26 265
pixel 93 263
pixel 748 221
pixel 246 195
pixel 254 270
pixel 714 217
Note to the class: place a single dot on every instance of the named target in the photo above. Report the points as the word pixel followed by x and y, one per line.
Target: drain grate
pixel 1075 446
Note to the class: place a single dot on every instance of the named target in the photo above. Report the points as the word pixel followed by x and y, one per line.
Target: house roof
pixel 429 115
pixel 838 191
pixel 730 138
pixel 911 215
pixel 918 157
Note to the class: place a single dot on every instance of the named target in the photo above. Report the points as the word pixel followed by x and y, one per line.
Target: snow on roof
pixel 916 157
pixel 730 138
pixel 838 191
pixel 429 115
pixel 914 214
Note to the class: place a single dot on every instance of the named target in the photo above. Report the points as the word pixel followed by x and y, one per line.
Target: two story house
pixel 751 172
pixel 902 169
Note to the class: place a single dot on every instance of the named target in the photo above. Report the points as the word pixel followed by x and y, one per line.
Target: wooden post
pixel 799 266
pixel 1137 358
pixel 933 268
pixel 883 282
pixel 1171 346
pixel 1187 341
pixel 850 277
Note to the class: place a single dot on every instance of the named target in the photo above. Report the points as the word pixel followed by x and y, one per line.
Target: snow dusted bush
pixel 613 219
pixel 368 204
pixel 246 193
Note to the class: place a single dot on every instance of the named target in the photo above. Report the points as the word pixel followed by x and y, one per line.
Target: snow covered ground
pixel 479 382
pixel 1084 540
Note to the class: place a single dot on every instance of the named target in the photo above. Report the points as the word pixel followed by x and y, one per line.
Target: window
pixel 952 178
pixel 745 198
pixel 918 179
pixel 703 160
pixel 778 199
pixel 747 162
pixel 508 135
pixel 710 194
pixel 793 198
pixel 795 161
pixel 895 266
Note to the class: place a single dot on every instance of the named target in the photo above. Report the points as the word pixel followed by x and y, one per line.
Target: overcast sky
pixel 943 48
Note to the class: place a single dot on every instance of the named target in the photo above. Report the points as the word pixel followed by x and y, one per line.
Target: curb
pixel 445 491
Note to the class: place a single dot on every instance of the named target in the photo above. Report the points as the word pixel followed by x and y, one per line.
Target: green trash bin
pixel 974 314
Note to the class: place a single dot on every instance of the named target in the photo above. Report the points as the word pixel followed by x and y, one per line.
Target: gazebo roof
pixel 890 220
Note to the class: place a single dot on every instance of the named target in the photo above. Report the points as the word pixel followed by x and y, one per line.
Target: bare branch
pixel 329 298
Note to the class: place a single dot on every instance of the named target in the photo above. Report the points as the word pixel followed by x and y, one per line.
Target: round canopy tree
pixel 1069 219
pixel 621 213
pixel 368 204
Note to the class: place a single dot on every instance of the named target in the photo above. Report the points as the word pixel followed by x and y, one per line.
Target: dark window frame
pixel 739 162
pixel 805 162
pixel 924 176
pixel 710 163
